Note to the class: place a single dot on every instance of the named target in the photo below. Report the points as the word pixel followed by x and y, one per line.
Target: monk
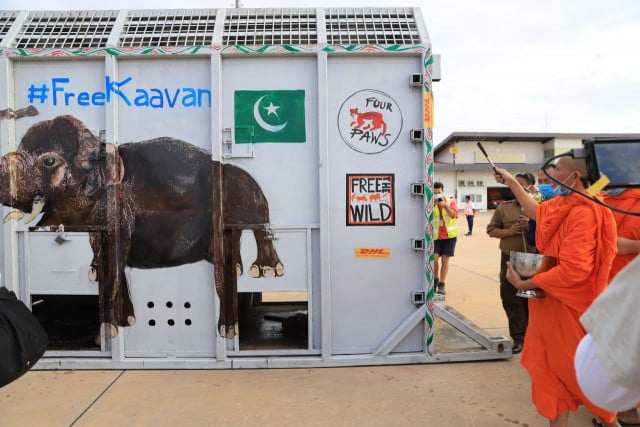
pixel 628 248
pixel 578 239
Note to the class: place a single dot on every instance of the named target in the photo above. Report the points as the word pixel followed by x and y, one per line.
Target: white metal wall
pixel 371 296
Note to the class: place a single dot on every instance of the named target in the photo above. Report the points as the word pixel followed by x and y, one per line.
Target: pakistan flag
pixel 269 116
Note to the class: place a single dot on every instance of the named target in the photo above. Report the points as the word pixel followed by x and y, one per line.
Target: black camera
pixel 618 159
pixel 439 198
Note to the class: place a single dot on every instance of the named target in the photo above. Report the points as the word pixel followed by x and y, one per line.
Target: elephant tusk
pixel 13 215
pixel 36 209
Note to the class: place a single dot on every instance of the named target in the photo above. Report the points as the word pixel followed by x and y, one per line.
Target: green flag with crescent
pixel 269 116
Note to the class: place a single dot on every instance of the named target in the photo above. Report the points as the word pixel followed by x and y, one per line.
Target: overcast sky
pixel 507 65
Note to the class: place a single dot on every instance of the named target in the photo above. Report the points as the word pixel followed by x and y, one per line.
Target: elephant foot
pixel 92 275
pixel 230 332
pixel 266 271
pixel 254 271
pixel 108 330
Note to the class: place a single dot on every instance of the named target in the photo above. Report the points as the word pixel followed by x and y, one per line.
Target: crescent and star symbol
pixel 271 109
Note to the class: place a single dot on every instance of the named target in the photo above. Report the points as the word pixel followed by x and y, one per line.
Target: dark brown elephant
pixel 151 204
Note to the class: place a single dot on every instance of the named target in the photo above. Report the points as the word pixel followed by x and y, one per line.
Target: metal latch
pixel 245 150
pixel 61 236
pixel 227 143
pixel 268 233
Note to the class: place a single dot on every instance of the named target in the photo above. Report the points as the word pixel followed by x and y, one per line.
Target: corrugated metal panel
pixel 168 28
pixel 270 27
pixel 371 26
pixel 66 29
pixel 7 18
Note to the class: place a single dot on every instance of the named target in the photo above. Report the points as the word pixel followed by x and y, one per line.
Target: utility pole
pixel 454 150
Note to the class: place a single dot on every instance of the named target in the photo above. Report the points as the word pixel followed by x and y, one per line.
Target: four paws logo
pixel 369 121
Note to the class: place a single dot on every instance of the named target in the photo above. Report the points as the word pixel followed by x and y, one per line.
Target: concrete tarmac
pixel 482 394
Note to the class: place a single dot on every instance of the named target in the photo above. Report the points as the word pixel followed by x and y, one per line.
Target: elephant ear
pixel 60 134
pixel 67 134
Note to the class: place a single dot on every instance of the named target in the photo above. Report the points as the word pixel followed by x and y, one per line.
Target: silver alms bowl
pixel 526 264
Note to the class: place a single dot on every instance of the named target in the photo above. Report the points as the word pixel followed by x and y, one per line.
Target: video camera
pixel 616 159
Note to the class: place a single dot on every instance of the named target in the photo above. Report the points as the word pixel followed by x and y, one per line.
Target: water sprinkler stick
pixel 479 144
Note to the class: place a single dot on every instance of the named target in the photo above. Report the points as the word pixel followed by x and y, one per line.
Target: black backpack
pixel 22 339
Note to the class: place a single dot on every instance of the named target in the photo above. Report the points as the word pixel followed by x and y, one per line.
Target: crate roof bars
pixel 185 27
pixel 198 27
pixel 371 26
pixel 66 29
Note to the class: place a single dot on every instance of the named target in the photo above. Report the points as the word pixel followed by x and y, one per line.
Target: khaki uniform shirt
pixel 505 216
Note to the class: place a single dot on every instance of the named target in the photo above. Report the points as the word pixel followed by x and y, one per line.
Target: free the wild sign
pixel 370 199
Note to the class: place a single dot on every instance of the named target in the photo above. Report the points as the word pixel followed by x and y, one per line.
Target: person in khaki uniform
pixel 509 224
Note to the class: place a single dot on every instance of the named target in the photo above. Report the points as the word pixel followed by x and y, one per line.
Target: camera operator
pixel 445 234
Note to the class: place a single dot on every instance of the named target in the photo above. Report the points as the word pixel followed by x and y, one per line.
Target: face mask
pixel 615 192
pixel 546 190
pixel 562 191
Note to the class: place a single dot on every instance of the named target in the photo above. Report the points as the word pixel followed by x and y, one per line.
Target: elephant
pixel 157 203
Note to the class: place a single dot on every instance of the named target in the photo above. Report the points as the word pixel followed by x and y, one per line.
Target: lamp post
pixel 454 150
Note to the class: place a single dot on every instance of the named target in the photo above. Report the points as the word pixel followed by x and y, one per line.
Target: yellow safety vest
pixel 450 223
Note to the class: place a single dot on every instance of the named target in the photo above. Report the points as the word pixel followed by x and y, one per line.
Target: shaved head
pixel 568 164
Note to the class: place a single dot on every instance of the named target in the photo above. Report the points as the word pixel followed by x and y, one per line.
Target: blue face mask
pixel 560 190
pixel 546 190
pixel 615 192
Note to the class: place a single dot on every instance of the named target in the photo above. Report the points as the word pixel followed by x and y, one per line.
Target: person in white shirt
pixel 607 360
pixel 469 211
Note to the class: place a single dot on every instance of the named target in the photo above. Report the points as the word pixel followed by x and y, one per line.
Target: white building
pixel 464 171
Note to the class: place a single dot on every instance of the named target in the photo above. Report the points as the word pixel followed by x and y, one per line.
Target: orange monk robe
pixel 581 236
pixel 628 225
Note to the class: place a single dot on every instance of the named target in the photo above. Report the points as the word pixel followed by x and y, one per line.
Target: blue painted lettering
pixel 172 101
pixel 59 92
pixel 83 99
pixel 56 86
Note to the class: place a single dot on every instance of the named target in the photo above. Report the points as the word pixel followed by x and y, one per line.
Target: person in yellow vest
pixel 445 234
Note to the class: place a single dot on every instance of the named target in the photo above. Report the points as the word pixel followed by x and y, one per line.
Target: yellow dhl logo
pixel 372 252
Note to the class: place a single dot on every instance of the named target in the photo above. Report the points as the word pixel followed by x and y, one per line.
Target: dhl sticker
pixel 372 253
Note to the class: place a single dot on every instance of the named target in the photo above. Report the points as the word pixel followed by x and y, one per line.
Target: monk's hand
pixel 513 277
pixel 503 176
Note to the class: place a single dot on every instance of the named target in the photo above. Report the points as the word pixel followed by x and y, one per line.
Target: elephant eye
pixel 49 162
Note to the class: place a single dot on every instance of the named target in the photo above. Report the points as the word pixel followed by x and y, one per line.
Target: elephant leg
pixel 223 259
pixel 98 273
pixel 231 237
pixel 235 247
pixel 267 263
